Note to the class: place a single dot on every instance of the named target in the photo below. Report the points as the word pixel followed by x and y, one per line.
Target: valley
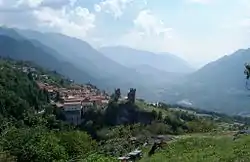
pixel 171 79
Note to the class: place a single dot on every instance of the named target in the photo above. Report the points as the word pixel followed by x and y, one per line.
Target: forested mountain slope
pixel 218 86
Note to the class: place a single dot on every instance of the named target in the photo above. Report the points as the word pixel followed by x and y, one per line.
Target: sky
pixel 199 31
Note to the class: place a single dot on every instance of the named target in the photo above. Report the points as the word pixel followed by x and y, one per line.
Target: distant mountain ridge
pixel 132 57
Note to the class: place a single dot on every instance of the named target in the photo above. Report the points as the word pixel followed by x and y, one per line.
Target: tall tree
pixel 247 70
pixel 117 94
pixel 30 76
pixel 58 98
pixel 159 116
pixel 247 73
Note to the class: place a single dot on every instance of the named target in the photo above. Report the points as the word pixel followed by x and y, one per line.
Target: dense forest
pixel 105 134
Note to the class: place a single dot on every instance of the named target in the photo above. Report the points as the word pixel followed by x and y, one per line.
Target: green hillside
pixel 204 148
pixel 19 95
pixel 30 136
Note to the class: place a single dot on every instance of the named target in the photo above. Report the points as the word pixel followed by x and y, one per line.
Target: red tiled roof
pixel 73 100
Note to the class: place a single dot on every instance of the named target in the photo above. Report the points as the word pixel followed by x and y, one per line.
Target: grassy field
pixel 145 107
pixel 204 148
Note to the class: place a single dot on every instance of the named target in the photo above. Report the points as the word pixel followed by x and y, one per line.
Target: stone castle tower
pixel 131 95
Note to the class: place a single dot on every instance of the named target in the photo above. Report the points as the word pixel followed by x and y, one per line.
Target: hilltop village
pixel 75 99
pixel 72 99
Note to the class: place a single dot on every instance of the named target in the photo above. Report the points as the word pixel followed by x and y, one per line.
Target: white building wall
pixel 72 107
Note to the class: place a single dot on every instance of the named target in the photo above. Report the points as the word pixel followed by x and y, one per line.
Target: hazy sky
pixel 196 30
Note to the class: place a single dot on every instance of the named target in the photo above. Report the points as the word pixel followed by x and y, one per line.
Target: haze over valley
pixel 157 77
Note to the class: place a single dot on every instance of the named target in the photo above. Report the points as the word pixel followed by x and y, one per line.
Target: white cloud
pixel 55 15
pixel 149 33
pixel 150 25
pixel 114 7
pixel 97 8
pixel 75 22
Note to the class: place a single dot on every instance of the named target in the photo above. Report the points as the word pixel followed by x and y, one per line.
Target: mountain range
pixel 218 86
